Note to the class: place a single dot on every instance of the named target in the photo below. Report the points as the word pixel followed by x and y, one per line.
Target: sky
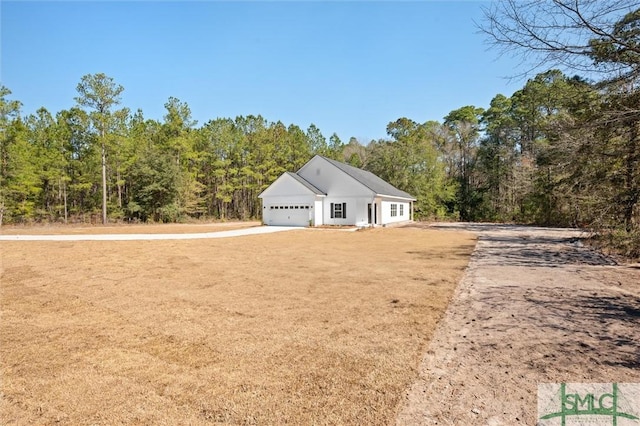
pixel 349 67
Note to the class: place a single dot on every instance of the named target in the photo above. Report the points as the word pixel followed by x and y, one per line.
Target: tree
pixel 220 140
pixel 602 39
pixel 530 151
pixel 177 126
pixel 598 37
pixel 411 162
pixel 354 153
pixel 299 150
pixel 317 142
pixel 73 129
pixel 464 124
pixel 180 142
pixel 22 184
pixel 100 94
pixel 334 150
pixel 154 187
pixel 9 115
pixel 620 50
pixel 51 159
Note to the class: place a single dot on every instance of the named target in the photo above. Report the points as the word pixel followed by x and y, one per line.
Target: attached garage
pixel 290 201
pixel 289 215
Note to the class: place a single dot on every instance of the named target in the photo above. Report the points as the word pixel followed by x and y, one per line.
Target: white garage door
pixel 289 215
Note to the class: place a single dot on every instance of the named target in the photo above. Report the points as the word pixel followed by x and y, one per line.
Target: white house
pixel 328 192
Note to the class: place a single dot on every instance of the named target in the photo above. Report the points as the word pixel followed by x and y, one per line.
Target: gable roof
pixel 296 178
pixel 306 183
pixel 371 181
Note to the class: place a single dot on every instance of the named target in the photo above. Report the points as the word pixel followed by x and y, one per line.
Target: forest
pixel 563 150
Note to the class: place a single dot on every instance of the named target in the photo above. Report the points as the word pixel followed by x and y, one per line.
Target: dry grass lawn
pixel 301 327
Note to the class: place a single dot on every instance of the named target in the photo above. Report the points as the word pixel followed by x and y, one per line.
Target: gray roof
pixel 371 181
pixel 306 183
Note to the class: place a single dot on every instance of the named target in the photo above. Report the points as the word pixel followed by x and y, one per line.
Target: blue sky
pixel 348 67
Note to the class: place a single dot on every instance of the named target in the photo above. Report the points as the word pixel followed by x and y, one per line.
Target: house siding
pixel 318 213
pixel 357 211
pixel 340 188
pixel 386 211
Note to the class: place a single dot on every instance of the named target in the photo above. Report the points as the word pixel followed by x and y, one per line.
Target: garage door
pixel 289 215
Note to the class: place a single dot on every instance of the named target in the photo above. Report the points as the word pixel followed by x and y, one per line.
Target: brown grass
pixel 302 327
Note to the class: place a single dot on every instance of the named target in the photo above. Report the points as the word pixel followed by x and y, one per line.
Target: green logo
pixel 589 403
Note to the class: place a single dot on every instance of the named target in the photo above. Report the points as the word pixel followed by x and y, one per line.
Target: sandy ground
pixel 535 306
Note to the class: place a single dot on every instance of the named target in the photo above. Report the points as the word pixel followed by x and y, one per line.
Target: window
pixel 394 210
pixel 401 209
pixel 338 210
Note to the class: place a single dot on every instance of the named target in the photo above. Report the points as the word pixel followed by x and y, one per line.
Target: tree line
pixel 563 150
pixel 96 163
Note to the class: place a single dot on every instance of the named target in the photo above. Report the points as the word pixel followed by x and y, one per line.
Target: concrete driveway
pixel 129 237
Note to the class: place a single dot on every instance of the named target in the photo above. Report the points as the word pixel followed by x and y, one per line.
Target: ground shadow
pixel 540 251
pixel 599 328
pixel 519 245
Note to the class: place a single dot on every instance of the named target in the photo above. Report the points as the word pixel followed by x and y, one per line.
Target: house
pixel 328 192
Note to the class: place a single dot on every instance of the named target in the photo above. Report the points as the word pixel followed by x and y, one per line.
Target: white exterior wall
pixel 386 211
pixel 341 189
pixel 362 211
pixel 288 202
pixel 318 213
pixel 292 199
pixel 327 211
pixel 357 211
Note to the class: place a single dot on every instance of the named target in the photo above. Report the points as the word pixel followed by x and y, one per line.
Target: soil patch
pixel 535 306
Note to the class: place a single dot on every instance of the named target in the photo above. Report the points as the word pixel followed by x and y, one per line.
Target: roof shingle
pixel 306 183
pixel 371 181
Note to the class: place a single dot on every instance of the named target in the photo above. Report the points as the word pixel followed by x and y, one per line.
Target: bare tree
pixel 569 34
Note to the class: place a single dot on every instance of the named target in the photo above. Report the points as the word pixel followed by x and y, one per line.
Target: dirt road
pixel 535 306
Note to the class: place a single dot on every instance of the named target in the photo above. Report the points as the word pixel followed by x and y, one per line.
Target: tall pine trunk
pixel 104 181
